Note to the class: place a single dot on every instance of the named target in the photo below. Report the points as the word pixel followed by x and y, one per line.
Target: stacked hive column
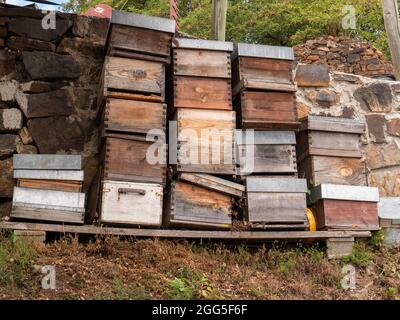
pixel 132 116
pixel 203 130
pixel 264 99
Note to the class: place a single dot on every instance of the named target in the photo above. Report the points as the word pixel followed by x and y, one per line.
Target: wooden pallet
pixel 188 234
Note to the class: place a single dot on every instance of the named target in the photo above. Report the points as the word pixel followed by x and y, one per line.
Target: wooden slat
pixel 134 116
pixel 202 93
pixel 126 53
pixel 42 214
pixel 125 159
pixel 267 159
pixel 337 170
pixel 140 40
pixel 192 203
pixel 332 124
pixel 135 75
pixel 202 63
pixel 189 234
pixel 73 186
pixel 262 85
pixel 263 109
pixel 133 96
pixel 214 183
pixel 339 214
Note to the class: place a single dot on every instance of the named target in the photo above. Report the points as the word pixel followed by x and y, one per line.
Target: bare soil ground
pixel 111 268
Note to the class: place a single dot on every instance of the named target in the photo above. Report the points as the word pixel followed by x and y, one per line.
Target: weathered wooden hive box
pixel 126 159
pixel 134 35
pixel 48 188
pixel 131 203
pixel 134 116
pixel 205 141
pixel 276 203
pixel 196 207
pixel 202 74
pixel 328 151
pixel 345 207
pixel 269 152
pixel 263 87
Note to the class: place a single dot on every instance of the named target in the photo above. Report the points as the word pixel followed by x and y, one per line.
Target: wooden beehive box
pixel 266 110
pixel 345 207
pixel 192 206
pixel 48 205
pixel 276 203
pixel 337 170
pixel 271 152
pixel 202 74
pixel 131 203
pixel 126 159
pixel 262 67
pixel 329 136
pixel 134 116
pixel 205 141
pixel 136 77
pixel 137 36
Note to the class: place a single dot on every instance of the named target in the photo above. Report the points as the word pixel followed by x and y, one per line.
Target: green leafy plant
pixel 361 255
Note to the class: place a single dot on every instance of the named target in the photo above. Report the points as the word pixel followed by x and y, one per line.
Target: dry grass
pixel 109 268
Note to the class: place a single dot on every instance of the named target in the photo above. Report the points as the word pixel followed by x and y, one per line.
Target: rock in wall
pixel 345 54
pixel 48 87
pixel 377 102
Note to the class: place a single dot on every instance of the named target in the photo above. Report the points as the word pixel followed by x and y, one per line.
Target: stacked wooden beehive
pixel 132 115
pixel 48 188
pixel 330 159
pixel 264 99
pixel 203 135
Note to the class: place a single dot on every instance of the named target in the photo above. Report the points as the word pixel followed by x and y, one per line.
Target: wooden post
pixel 219 9
pixel 392 25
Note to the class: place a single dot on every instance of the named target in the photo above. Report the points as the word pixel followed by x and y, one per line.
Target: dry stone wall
pixel 345 54
pixel 377 102
pixel 48 88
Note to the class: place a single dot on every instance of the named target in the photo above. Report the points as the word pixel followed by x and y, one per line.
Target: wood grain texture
pixel 336 170
pixel 214 183
pixel 125 160
pixel 73 186
pixel 324 143
pixel 140 40
pixel 129 203
pixel 267 159
pixel 124 53
pixel 134 116
pixel 351 215
pixel 206 141
pixel 135 75
pixel 265 109
pixel 280 208
pixel 259 73
pixel 202 63
pixel 42 214
pixel 196 206
pixel 202 93
pixel 188 234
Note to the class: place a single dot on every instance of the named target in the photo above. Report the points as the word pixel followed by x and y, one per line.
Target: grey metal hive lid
pixel 142 21
pixel 334 124
pixel 265 184
pixel 262 51
pixel 389 208
pixel 214 45
pixel 265 137
pixel 47 162
pixel 344 192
